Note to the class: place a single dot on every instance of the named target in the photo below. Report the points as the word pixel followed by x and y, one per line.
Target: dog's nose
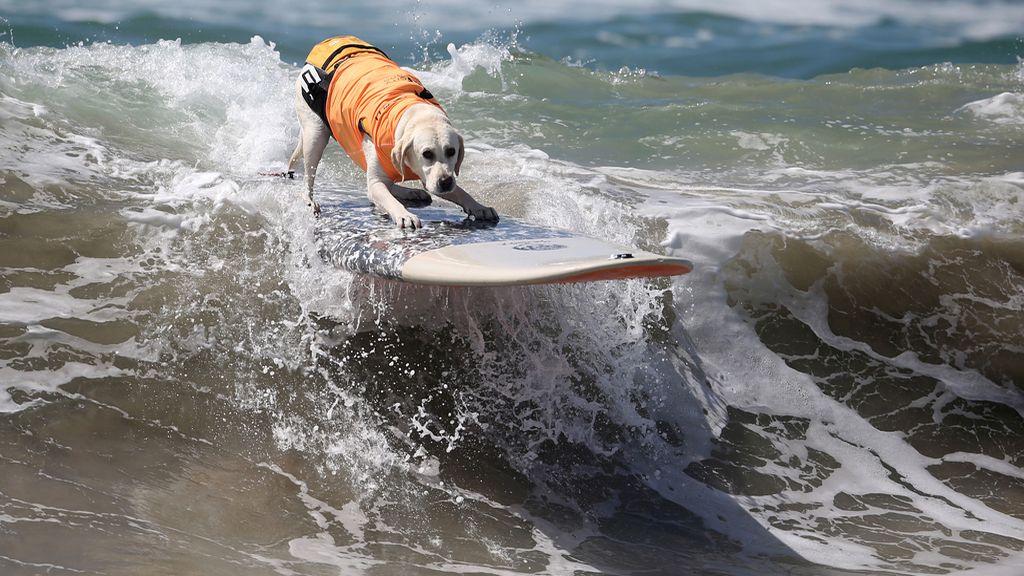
pixel 447 183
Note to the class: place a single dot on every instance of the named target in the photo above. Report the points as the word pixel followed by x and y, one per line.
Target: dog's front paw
pixel 483 213
pixel 315 206
pixel 407 220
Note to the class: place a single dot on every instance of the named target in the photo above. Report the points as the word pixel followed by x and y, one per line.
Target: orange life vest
pixel 368 94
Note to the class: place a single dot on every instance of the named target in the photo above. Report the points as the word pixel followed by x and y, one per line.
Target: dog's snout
pixel 447 183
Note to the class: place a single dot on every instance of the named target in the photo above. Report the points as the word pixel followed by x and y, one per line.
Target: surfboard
pixel 453 250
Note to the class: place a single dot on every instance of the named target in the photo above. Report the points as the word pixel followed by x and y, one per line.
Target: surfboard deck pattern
pixel 452 250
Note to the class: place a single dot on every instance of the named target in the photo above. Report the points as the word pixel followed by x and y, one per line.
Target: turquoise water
pixel 186 388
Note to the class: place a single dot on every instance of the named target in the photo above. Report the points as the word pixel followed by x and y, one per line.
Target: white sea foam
pixel 449 75
pixel 49 380
pixel 762 141
pixel 1005 108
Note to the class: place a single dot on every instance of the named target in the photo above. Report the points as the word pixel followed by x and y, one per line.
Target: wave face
pixel 837 388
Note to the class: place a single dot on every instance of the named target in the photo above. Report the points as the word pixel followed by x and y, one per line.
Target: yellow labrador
pixel 386 121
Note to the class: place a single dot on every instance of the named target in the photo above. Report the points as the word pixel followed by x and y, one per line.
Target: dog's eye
pixel 428 154
pixel 449 152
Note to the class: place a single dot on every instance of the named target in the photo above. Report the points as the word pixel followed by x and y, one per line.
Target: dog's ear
pixel 398 152
pixel 462 154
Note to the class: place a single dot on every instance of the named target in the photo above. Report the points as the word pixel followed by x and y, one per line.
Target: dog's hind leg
pixel 314 142
pixel 313 139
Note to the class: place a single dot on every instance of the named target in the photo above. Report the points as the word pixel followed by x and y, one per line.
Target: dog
pixel 387 123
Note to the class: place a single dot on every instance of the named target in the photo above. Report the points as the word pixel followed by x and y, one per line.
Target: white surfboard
pixel 451 250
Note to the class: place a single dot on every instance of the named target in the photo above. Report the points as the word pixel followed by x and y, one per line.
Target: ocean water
pixel 837 388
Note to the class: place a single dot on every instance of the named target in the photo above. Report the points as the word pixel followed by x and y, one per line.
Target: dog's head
pixel 432 148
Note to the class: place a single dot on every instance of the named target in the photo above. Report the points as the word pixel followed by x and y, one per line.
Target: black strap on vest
pixel 327 63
